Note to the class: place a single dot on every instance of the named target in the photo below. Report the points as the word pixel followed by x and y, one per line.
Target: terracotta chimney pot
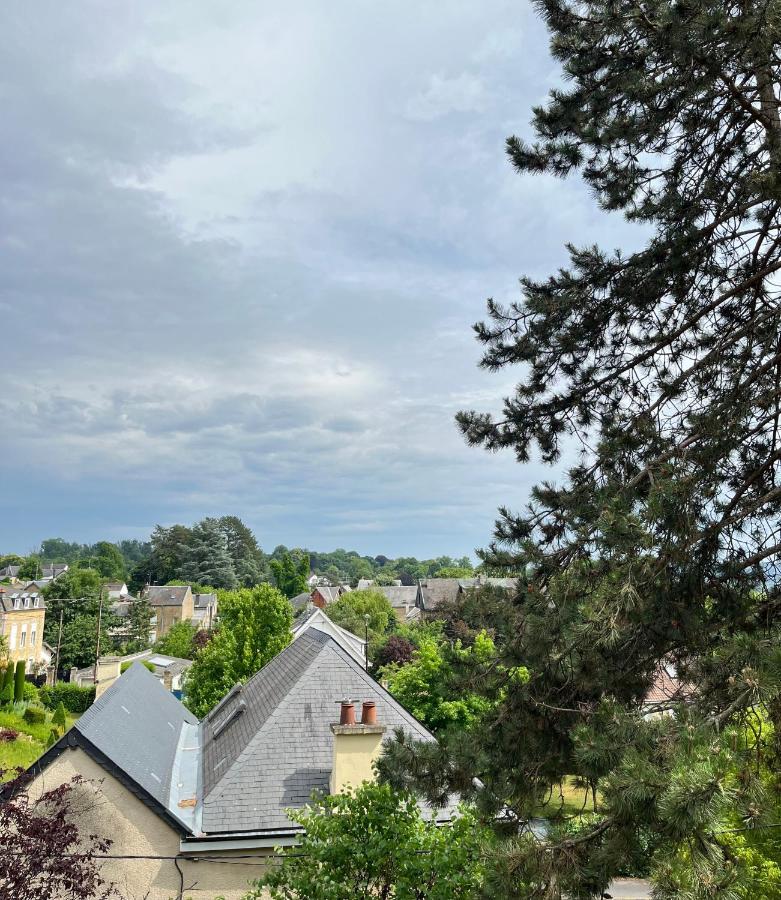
pixel 369 713
pixel 347 715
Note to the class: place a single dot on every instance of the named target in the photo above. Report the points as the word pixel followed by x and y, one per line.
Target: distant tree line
pixel 222 552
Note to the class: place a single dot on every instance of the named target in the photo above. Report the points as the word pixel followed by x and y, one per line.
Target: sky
pixel 241 250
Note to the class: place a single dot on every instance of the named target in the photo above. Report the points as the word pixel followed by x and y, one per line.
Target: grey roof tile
pixel 279 747
pixel 167 594
pixel 136 724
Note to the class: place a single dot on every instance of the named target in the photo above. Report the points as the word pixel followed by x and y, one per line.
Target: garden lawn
pixel 31 741
pixel 575 801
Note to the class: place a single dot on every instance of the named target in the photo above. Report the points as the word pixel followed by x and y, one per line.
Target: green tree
pixel 179 641
pixel 108 561
pixel 61 551
pixel 11 559
pixel 291 573
pixel 455 572
pixel 206 559
pixel 19 681
pixel 375 843
pixel 662 366
pixel 8 679
pixel 249 561
pixel 30 569
pixel 351 609
pixel 385 577
pixel 139 617
pixel 79 638
pixel 429 688
pixel 74 593
pixel 169 547
pixel 254 626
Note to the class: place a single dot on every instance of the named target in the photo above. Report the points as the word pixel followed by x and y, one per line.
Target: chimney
pixel 356 746
pixel 168 680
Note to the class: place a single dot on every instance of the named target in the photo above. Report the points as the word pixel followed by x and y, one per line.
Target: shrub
pixel 19 681
pixel 397 650
pixel 59 715
pixel 54 736
pixel 74 698
pixel 34 715
pixel 30 692
pixel 8 694
pixel 7 735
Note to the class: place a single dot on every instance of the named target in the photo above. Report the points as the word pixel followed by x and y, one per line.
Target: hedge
pixel 74 698
pixel 34 715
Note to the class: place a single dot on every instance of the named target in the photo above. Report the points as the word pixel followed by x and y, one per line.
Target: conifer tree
pixel 205 559
pixel 661 546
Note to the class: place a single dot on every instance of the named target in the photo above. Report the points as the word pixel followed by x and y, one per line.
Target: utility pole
pixel 366 645
pixel 59 644
pixel 97 641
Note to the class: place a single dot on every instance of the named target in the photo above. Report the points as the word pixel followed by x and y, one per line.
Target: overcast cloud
pixel 242 246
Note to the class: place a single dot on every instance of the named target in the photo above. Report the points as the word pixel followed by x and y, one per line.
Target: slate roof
pixel 399 596
pixel 167 594
pixel 317 618
pixel 329 593
pixel 204 601
pixel 268 745
pixel 136 723
pixel 300 600
pixel 434 591
pixel 10 593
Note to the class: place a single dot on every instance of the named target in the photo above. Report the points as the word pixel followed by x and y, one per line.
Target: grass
pixel 571 801
pixel 19 753
pixel 32 738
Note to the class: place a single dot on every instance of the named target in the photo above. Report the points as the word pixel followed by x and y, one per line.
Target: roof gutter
pixel 263 840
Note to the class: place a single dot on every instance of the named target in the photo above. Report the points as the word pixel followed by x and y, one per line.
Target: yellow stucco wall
pixel 353 757
pixel 20 617
pixel 170 615
pixel 107 808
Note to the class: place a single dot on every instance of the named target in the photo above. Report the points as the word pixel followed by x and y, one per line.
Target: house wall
pixel 20 618
pixel 107 808
pixel 318 599
pixel 166 617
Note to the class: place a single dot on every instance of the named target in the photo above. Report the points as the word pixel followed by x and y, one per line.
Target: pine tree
pixel 249 561
pixel 662 544
pixel 205 559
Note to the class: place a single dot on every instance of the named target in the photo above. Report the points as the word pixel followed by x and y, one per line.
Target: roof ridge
pixel 218 789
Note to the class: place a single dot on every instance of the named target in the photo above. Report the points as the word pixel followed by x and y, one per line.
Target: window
pixel 12 639
pixel 33 635
pixel 23 636
pixel 26 602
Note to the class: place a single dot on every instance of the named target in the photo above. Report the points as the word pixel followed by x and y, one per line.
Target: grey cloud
pixel 241 249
